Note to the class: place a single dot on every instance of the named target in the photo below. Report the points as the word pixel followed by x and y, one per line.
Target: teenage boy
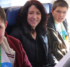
pixel 12 53
pixel 57 29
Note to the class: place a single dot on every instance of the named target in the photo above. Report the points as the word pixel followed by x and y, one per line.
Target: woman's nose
pixel 34 16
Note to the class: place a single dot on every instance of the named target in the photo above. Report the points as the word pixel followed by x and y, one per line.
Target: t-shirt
pixel 5 62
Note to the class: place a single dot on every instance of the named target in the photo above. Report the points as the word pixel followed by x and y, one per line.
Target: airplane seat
pixel 6 8
pixel 12 12
pixel 11 15
pixel 48 7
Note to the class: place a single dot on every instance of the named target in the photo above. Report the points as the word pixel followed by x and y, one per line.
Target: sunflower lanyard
pixel 0 55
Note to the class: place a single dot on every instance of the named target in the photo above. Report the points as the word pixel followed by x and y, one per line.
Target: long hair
pixel 22 16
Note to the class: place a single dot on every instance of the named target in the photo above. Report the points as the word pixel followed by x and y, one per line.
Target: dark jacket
pixel 31 47
pixel 21 59
pixel 56 42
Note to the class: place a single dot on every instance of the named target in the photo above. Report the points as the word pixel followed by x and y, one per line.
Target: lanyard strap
pixel 0 55
pixel 63 35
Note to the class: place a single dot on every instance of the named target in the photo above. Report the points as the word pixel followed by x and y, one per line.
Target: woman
pixel 31 31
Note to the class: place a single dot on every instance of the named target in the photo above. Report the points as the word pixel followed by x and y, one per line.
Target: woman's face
pixel 33 16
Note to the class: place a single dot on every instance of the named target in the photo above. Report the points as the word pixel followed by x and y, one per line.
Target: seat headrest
pixel 48 7
pixel 11 15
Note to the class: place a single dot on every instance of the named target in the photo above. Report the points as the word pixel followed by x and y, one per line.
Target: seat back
pixel 48 7
pixel 11 15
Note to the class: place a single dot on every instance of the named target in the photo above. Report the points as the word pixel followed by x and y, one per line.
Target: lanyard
pixel 63 35
pixel 0 55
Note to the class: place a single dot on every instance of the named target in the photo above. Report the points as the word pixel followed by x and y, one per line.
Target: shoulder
pixel 15 30
pixel 11 38
pixel 13 42
pixel 50 16
pixel 50 20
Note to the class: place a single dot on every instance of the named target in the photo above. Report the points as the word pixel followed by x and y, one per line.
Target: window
pixel 5 3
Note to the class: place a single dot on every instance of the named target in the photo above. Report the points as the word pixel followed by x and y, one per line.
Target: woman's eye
pixel 38 13
pixel 31 12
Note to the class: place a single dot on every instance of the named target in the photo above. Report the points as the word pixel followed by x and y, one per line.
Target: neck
pixel 34 35
pixel 33 28
pixel 57 22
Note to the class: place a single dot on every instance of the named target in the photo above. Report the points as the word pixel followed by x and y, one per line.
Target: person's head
pixel 3 24
pixel 59 10
pixel 34 15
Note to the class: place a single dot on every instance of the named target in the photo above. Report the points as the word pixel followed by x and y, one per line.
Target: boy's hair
pixel 60 3
pixel 2 14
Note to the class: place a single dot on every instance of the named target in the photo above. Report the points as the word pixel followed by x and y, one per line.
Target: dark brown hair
pixel 61 3
pixel 22 16
pixel 2 14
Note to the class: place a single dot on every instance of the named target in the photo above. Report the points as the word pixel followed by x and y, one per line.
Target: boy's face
pixel 59 13
pixel 2 29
